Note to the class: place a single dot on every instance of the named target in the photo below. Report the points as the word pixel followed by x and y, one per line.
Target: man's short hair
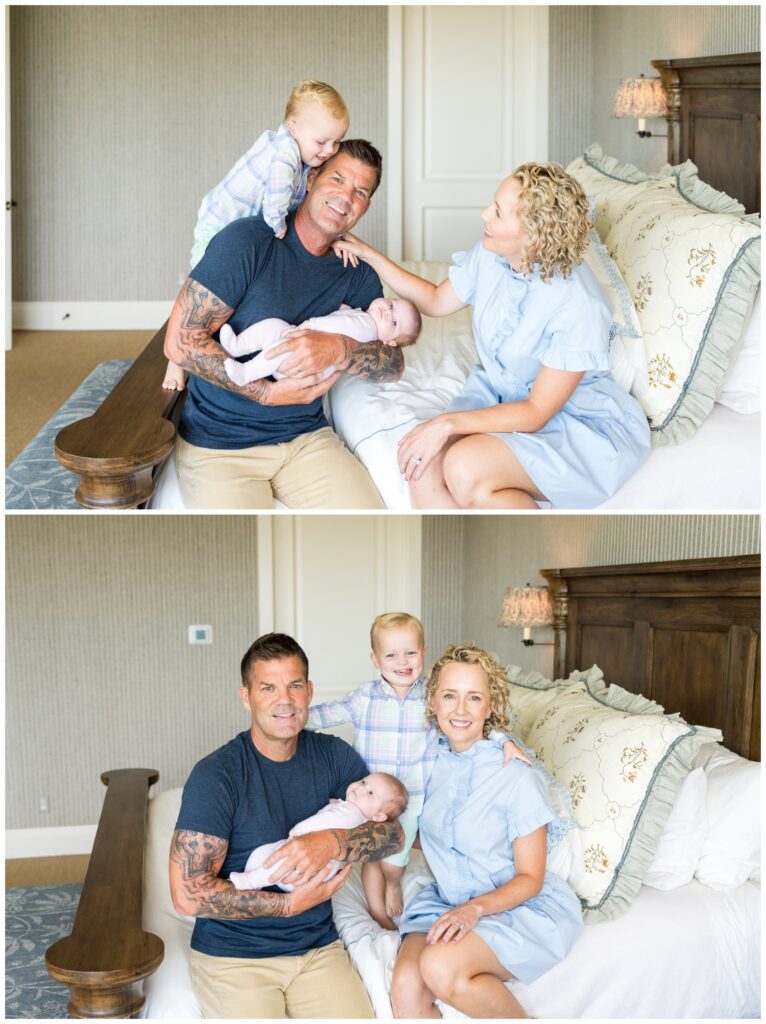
pixel 272 647
pixel 365 153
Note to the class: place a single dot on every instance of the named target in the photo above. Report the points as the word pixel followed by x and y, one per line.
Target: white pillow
pixel 731 852
pixel 741 387
pixel 680 846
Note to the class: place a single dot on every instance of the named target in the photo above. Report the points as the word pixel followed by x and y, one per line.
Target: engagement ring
pixel 416 461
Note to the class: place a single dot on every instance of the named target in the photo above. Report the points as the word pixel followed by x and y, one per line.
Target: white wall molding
pixel 49 842
pixel 90 316
pixel 394 154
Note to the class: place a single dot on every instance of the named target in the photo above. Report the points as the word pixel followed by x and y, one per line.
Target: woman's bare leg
pixel 410 996
pixel 430 491
pixel 481 471
pixel 468 976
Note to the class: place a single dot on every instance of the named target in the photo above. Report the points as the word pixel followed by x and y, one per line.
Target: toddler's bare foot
pixel 175 378
pixel 383 920
pixel 394 898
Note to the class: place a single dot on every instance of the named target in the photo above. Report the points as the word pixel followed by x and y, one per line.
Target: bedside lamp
pixel 527 606
pixel 641 98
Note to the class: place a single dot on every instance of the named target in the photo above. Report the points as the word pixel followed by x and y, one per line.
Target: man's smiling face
pixel 278 699
pixel 338 194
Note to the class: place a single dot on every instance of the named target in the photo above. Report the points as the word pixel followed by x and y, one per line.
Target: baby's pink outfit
pixel 265 334
pixel 338 814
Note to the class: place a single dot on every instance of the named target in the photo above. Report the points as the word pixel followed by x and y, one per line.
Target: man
pixel 240 446
pixel 267 953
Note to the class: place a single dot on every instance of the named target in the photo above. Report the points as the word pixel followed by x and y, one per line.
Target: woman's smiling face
pixel 504 232
pixel 462 704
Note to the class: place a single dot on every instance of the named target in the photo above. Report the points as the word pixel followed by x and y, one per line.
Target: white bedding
pixel 718 468
pixel 691 952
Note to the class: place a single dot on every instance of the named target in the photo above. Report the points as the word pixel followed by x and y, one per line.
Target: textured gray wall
pixel 502 551
pixel 124 117
pixel 99 673
pixel 593 47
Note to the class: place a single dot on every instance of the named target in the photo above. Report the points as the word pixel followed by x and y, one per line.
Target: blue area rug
pixel 35 918
pixel 36 479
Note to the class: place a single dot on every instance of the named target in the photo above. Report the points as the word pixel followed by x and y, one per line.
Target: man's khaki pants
pixel 320 983
pixel 313 470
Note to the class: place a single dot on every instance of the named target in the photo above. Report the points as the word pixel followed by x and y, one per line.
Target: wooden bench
pixel 117 452
pixel 108 954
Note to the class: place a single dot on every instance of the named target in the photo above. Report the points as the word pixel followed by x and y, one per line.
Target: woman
pixel 494 912
pixel 541 418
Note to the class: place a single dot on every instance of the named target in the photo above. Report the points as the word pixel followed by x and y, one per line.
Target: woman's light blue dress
pixel 473 811
pixel 584 454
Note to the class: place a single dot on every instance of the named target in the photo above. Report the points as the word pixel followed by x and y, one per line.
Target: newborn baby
pixel 376 797
pixel 393 321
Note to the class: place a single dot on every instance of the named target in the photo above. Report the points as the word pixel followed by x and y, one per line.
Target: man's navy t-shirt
pixel 261 276
pixel 241 796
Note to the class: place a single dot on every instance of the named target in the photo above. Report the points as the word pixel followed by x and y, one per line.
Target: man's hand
pixel 288 391
pixel 305 354
pixel 303 858
pixel 316 891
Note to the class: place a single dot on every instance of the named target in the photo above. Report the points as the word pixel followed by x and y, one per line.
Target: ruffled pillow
pixel 693 275
pixel 627 358
pixel 623 762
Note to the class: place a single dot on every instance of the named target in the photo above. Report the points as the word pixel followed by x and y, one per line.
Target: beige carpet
pixel 45 871
pixel 45 367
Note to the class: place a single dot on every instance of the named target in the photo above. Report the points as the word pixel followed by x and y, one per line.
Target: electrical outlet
pixel 200 634
pixel 42 805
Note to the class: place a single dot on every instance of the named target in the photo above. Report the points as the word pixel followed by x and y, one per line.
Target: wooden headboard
pixel 685 634
pixel 713 118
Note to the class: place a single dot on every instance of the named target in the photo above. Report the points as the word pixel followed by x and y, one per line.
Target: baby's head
pixel 317 118
pixel 398 648
pixel 398 321
pixel 379 796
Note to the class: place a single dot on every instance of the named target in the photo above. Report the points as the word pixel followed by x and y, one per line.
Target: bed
pixel 685 634
pixel 697 366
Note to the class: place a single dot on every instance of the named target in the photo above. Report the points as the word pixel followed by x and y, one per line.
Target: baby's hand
pixel 282 233
pixel 510 750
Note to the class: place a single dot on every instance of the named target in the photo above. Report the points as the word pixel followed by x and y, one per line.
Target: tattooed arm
pixel 196 889
pixel 304 858
pixel 306 354
pixel 189 343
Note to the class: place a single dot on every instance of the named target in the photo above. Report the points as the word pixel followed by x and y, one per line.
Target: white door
pixel 474 104
pixel 323 579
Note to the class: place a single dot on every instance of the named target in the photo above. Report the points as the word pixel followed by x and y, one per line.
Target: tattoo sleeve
pixel 373 361
pixel 374 840
pixel 196 316
pixel 195 860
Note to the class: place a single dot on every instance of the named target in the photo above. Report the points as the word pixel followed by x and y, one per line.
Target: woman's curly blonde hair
pixel 554 212
pixel 499 687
